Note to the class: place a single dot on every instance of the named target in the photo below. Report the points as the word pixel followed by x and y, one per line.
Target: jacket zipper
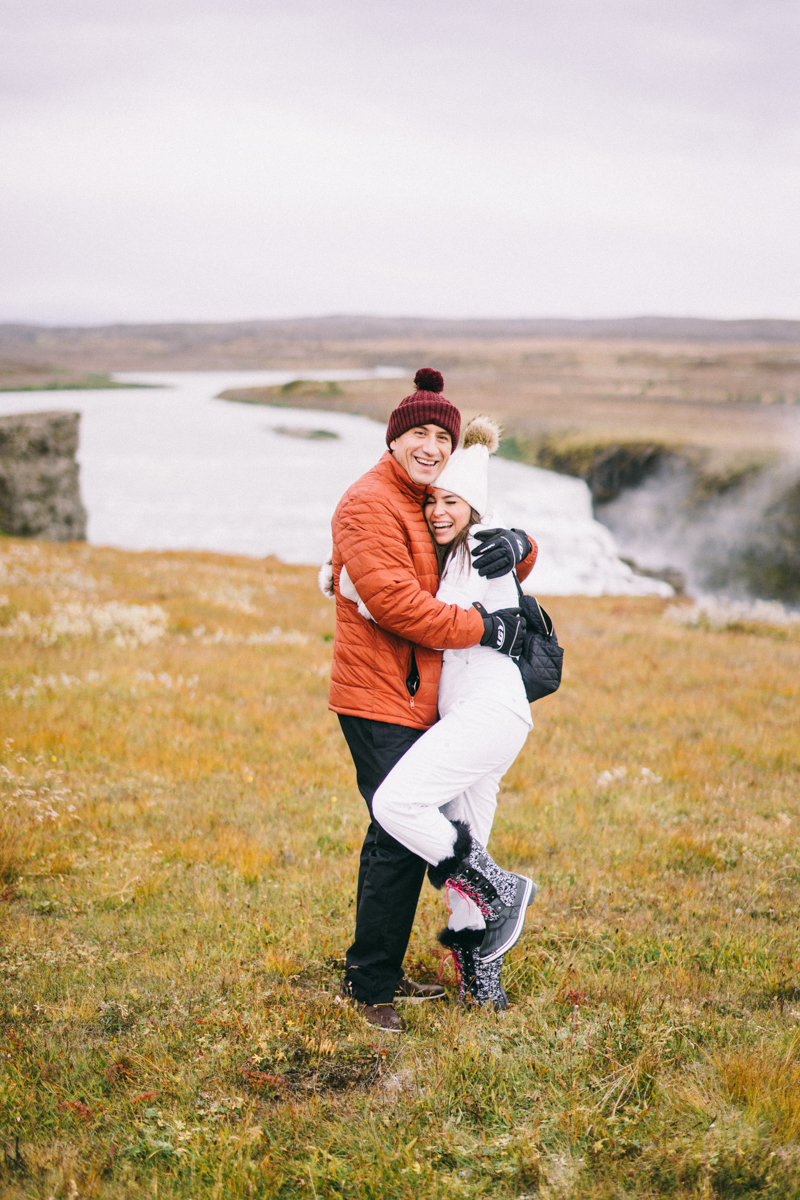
pixel 412 679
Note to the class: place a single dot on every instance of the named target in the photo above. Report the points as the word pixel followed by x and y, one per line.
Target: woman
pixel 439 800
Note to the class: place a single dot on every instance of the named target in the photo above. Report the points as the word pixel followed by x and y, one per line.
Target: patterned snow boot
pixel 502 896
pixel 479 982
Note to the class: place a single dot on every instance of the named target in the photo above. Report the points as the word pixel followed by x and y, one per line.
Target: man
pixel 385 673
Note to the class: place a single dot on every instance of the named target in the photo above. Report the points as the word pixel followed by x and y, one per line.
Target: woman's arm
pixel 461 584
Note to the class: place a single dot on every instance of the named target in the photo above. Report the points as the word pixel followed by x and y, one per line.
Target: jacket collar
pixel 399 478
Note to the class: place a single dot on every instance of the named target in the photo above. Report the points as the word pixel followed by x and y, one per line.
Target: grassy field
pixel 180 827
pixel 58 381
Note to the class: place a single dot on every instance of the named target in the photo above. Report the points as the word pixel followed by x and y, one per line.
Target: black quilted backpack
pixel 542 658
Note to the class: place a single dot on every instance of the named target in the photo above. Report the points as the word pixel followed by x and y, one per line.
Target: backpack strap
pixel 547 624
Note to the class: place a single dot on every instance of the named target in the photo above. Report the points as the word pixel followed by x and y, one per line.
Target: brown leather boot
pixel 383 1016
pixel 409 989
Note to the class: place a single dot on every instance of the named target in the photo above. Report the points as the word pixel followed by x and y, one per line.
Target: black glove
pixel 502 550
pixel 503 630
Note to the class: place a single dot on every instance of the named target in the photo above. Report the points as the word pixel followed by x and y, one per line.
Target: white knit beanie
pixel 466 473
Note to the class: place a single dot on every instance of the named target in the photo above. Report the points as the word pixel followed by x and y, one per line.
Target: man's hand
pixel 502 550
pixel 503 630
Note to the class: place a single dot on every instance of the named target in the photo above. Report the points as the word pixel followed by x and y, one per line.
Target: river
pixel 174 468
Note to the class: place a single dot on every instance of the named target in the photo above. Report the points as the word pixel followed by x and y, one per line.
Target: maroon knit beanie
pixel 426 406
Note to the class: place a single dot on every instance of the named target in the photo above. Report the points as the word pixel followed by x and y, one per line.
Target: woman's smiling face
pixel 446 514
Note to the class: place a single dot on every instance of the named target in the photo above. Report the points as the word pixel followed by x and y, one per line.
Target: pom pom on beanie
pixel 427 406
pixel 428 380
pixel 482 431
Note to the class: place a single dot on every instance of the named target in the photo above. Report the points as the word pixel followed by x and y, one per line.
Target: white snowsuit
pixel 453 772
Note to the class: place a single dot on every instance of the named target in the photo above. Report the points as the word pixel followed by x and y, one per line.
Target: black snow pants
pixel 390 877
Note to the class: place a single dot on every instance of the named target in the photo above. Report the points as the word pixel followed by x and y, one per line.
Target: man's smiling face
pixel 422 452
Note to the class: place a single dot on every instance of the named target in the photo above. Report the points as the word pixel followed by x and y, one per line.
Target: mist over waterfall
pixel 736 534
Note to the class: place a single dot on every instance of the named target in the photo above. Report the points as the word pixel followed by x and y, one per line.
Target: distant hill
pixel 245 339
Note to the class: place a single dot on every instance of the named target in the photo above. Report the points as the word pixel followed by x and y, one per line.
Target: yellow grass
pixel 178 851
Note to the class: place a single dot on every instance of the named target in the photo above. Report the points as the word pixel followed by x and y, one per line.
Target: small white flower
pixel 128 625
pixel 606 778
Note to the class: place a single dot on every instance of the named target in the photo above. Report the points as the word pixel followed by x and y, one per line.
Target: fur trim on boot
pixel 477 876
pixel 463 945
pixel 462 849
pixel 478 982
pixel 501 896
pixel 453 937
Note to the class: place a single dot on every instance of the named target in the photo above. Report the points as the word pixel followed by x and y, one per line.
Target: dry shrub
pixel 766 1084
pixel 315 1066
pixel 224 847
pixel 26 830
pixel 35 805
pixel 691 852
pixel 13 847
pixel 285 966
pixel 515 846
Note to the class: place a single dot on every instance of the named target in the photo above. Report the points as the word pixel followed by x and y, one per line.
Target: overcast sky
pixel 175 160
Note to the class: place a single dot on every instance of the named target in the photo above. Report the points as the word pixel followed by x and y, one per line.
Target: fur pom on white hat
pixel 467 471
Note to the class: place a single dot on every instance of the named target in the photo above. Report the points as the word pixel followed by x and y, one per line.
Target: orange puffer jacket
pixel 380 534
